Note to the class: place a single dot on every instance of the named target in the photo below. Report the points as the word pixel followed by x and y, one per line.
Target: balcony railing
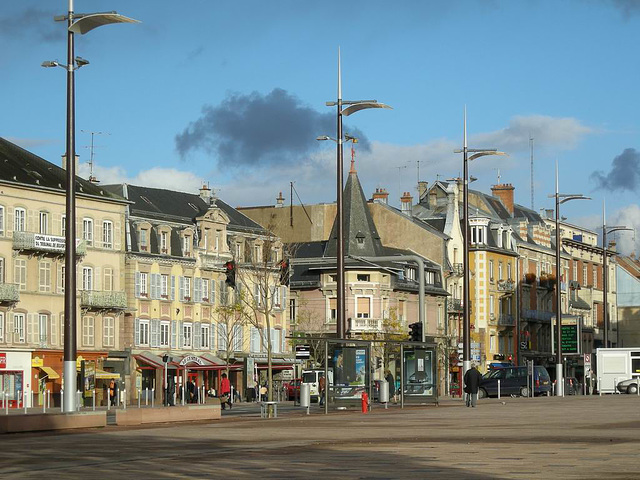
pixel 95 299
pixel 454 305
pixel 213 262
pixel 537 315
pixel 506 320
pixel 458 269
pixel 506 285
pixel 37 242
pixel 9 293
pixel 366 325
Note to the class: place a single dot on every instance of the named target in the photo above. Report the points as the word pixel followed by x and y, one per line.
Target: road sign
pixel 303 351
pixel 587 360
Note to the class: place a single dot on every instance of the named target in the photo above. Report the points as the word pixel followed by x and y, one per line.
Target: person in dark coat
pixel 471 383
pixel 392 385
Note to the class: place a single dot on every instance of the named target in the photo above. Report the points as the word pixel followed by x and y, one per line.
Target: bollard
pixel 94 400
pixel 365 402
pixel 615 385
pixel 139 393
pixel 32 404
pixel 498 389
pixel 600 386
pixel 146 397
pixel 203 395
pixel 182 387
pixel 153 396
pixel 174 396
pixel 6 403
pixel 44 405
pixel 49 399
pixel 61 400
pixel 78 398
pixel 124 399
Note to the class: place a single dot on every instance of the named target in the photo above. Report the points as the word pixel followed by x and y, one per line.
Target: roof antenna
pixel 91 148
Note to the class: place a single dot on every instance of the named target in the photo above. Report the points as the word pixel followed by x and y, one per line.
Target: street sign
pixel 569 338
pixel 303 351
pixel 587 360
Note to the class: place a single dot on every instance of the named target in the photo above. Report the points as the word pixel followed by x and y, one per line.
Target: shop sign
pixel 37 362
pixel 191 359
pixel 3 360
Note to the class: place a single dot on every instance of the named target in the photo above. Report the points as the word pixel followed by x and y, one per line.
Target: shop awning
pixel 213 359
pixel 150 359
pixel 51 373
pixel 101 374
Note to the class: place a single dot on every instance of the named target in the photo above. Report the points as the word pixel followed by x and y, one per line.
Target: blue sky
pixel 232 93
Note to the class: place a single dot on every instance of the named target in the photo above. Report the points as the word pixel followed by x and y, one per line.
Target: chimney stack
pixel 280 201
pixel 205 194
pixel 64 162
pixel 505 193
pixel 422 189
pixel 406 202
pixel 381 196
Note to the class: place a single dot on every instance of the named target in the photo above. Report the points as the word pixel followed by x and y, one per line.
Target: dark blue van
pixel 513 381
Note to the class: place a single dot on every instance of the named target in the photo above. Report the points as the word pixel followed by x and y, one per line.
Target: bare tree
pixel 231 326
pixel 310 324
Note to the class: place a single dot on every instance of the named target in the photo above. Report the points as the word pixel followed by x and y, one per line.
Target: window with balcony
pixel 19 220
pixel 144 239
pixel 109 331
pixel 205 290
pixel 2 327
pixel 187 334
pixel 87 278
pixel 88 329
pixel 144 284
pixel 63 225
pixel 44 277
pixel 87 231
pixel 20 273
pixel 19 326
pixel 1 221
pixel 363 307
pixel 164 242
pixel 43 328
pixel 187 289
pixel 44 223
pixel 107 281
pixel 107 234
pixel 164 287
pixel 361 277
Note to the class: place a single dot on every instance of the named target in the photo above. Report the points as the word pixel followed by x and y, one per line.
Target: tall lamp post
pixel 76 23
pixel 352 107
pixel 466 319
pixel 605 278
pixel 560 199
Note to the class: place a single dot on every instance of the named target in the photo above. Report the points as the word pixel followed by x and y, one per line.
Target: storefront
pixel 15 378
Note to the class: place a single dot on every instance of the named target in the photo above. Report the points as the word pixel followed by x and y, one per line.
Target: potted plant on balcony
pixel 530 278
pixel 551 282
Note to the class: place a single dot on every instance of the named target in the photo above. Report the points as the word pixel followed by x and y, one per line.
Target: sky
pixel 232 94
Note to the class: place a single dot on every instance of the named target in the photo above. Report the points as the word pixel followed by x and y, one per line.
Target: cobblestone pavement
pixel 513 438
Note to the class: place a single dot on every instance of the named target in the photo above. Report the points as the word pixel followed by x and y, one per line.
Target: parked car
pixel 513 381
pixel 628 386
pixel 293 389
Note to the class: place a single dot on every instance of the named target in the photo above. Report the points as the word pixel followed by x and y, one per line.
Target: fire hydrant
pixel 365 402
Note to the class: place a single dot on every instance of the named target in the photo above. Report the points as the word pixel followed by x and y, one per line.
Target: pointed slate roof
pixel 360 234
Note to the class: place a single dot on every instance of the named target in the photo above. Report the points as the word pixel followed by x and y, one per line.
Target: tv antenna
pixel 531 147
pixel 92 148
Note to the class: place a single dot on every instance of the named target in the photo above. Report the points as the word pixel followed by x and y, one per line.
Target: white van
pixel 312 377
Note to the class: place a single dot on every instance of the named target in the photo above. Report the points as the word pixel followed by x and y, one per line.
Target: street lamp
pixel 352 107
pixel 560 199
pixel 466 320
pixel 605 277
pixel 76 23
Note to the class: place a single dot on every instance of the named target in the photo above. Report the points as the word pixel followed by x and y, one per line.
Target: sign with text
pixel 303 351
pixel 569 338
pixel 3 360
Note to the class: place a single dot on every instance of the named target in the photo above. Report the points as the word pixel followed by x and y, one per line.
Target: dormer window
pixel 360 238
pixel 144 240
pixel 164 242
pixel 478 234
pixel 186 245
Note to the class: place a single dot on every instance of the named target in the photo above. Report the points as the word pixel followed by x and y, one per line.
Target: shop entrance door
pixel 11 385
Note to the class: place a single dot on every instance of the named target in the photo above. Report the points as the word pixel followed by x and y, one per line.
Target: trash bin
pixel 383 395
pixel 305 395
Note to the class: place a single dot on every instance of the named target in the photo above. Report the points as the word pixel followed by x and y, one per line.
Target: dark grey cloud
pixel 258 129
pixel 624 173
pixel 32 23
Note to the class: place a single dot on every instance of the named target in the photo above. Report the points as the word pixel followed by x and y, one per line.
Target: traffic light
pixel 378 362
pixel 230 268
pixel 415 332
pixel 284 272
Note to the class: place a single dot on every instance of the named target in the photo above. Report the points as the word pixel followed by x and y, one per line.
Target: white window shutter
pixel 53 329
pixel 212 340
pixel 155 333
pixel 173 287
pixel 32 328
pixel 181 288
pixel 137 332
pixel 137 285
pixel 180 335
pixel 284 298
pixel 174 334
pixel 97 279
pixel 197 335
pixel 212 294
pixel 197 289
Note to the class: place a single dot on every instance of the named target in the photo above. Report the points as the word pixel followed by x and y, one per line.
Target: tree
pixel 310 323
pixel 231 326
pixel 393 330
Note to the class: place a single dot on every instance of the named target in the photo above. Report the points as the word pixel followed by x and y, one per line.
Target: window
pixel 217 240
pixel 164 242
pixel 292 310
pixel 20 273
pixel 18 326
pixel 144 240
pixel 595 276
pixel 256 253
pixel 499 270
pixel 107 234
pixel 87 231
pixel 363 307
pixel 205 289
pixel 491 270
pixel 491 306
pixel 367 278
pixel 88 331
pixel 144 284
pixel 45 277
pixel 164 334
pixel 1 221
pixel 107 283
pixel 19 220
pixel 238 339
pixel 87 278
pixel 63 225
pixel 222 337
pixel 1 269
pixel 61 278
pixel 187 334
pixel 333 310
pixel 584 275
pixel 187 288
pixel 44 223
pixel 143 332
pixel 238 251
pixel 43 323
pixel 509 271
pixel 186 245
pixel 164 286
pixel 1 327
pixel 204 343
pixel 575 271
pixel 109 329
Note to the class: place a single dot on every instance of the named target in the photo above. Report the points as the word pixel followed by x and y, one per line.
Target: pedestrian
pixel 263 393
pixel 112 392
pixel 471 383
pixel 225 392
pixel 392 385
pixel 321 389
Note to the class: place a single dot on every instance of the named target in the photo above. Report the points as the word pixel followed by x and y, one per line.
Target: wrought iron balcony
pixel 458 269
pixel 366 325
pixel 539 315
pixel 506 285
pixel 506 320
pixel 454 305
pixel 103 300
pixel 9 293
pixel 213 262
pixel 45 244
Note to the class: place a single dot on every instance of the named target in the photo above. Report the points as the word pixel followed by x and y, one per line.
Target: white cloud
pixel 629 216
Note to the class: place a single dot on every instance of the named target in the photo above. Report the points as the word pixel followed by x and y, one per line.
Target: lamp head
pixel 49 64
pixel 81 62
pixel 323 137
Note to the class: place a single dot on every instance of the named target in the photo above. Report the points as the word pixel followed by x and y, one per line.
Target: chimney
pixel 422 189
pixel 505 193
pixel 406 202
pixel 64 162
pixel 280 201
pixel 205 194
pixel 381 196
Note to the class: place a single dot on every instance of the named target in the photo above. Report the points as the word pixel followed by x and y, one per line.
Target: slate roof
pixel 21 167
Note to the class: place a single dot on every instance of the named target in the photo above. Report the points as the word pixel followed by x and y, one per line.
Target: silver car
pixel 628 386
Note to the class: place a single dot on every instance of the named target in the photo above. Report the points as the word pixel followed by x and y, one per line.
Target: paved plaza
pixel 512 438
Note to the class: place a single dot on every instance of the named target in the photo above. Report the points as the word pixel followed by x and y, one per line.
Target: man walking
pixel 471 383
pixel 225 392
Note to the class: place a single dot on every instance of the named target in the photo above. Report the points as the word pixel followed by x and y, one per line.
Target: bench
pixel 264 409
